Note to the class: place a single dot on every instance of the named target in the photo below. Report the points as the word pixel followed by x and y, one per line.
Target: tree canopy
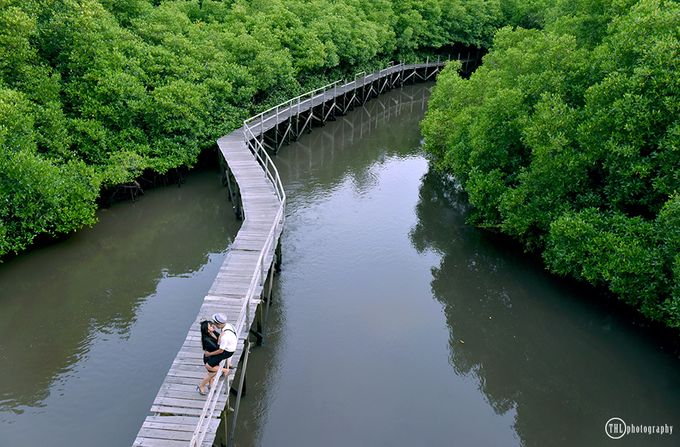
pixel 568 139
pixel 95 92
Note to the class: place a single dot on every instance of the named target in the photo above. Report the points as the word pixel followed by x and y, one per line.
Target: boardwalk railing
pixel 258 279
pixel 295 104
pixel 265 161
pixel 288 120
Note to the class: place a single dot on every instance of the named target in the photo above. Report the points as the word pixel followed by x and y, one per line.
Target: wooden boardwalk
pixel 179 415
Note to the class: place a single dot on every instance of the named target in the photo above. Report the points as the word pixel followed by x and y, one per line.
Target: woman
pixel 210 343
pixel 216 349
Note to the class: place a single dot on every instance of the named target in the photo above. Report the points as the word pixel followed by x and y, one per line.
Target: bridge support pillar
pixel 225 424
pixel 278 257
pixel 232 188
pixel 240 392
pixel 267 295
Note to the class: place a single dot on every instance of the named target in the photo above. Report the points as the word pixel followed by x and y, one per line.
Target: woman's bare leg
pixel 212 370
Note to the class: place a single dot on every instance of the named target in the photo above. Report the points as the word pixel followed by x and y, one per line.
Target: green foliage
pixel 37 196
pixel 567 138
pixel 612 249
pixel 94 92
pixel 16 122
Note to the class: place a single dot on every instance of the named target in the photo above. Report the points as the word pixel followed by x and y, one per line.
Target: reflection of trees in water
pixel 531 343
pixel 55 300
pixel 468 282
pixel 344 148
pixel 348 148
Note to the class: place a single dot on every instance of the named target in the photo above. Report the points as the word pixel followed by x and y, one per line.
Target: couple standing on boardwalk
pixel 218 339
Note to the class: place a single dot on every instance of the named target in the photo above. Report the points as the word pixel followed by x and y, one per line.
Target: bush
pixel 568 139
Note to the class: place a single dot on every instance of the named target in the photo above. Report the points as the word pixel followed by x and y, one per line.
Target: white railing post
pixel 262 128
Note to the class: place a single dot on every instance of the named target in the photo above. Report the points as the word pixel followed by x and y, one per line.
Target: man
pixel 228 338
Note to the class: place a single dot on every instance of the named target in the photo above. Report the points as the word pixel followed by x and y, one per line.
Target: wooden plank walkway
pixel 177 406
pixel 247 269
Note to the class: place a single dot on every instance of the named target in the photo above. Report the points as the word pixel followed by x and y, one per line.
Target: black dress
pixel 210 344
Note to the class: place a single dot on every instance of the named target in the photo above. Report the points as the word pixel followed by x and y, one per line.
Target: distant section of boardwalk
pixel 179 415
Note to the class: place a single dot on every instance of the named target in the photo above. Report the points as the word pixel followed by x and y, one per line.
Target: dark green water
pixel 398 324
pixel 395 324
pixel 89 326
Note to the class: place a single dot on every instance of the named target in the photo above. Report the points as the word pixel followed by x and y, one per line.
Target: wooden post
pixel 240 392
pixel 238 206
pixel 227 175
pixel 259 327
pixel 224 418
pixel 297 121
pixel 335 98
pixel 261 135
pixel 276 132
pixel 223 167
pixel 278 257
pixel 268 298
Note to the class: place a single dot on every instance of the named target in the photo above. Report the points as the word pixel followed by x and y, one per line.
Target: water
pixel 89 326
pixel 394 323
pixel 398 324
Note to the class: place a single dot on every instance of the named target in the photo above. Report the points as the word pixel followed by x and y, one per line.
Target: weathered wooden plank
pixel 165 434
pixel 180 403
pixel 171 420
pixel 152 442
pixel 180 411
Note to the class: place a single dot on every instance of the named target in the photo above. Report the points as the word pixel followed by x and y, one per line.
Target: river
pixel 90 325
pixel 394 322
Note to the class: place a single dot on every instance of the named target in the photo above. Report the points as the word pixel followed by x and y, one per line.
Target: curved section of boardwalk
pixel 178 409
pixel 179 415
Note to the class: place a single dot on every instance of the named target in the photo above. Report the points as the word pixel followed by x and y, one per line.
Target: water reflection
pixel 69 306
pixel 334 170
pixel 318 162
pixel 536 344
pixel 398 324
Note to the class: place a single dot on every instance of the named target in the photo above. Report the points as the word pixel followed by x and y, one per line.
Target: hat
pixel 219 318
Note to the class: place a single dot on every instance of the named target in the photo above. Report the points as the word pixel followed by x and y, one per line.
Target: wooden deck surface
pixel 177 405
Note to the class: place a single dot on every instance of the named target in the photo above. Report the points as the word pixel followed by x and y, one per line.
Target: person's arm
pixel 217 343
pixel 210 354
pixel 222 345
